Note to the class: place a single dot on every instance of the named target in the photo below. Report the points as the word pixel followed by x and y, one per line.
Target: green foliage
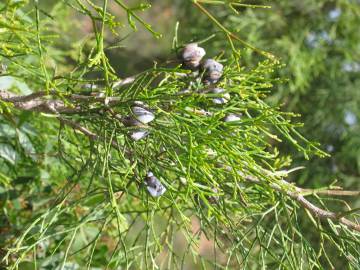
pixel 318 42
pixel 71 200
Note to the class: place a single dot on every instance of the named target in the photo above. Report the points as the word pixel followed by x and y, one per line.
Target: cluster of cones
pixel 211 72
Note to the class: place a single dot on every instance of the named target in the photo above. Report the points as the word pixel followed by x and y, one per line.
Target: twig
pixel 11 97
pixel 38 102
pixel 85 131
pixel 330 192
pixel 296 194
pixel 34 101
pixel 78 127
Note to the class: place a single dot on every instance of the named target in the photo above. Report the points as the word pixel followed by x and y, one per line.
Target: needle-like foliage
pixel 73 178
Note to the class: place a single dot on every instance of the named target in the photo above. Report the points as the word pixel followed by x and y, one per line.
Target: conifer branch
pixel 38 102
pixel 35 103
pixel 296 193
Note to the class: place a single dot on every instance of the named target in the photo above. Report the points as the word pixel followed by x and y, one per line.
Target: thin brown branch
pixel 85 131
pixel 80 128
pixel 296 193
pixel 11 97
pixel 41 100
pixel 331 192
pixel 92 136
pixel 37 102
